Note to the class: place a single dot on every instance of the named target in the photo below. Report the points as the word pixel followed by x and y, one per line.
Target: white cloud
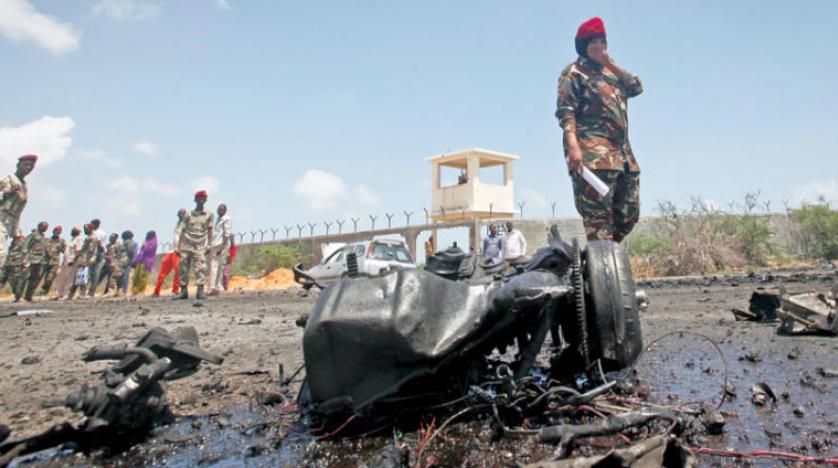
pixel 48 137
pixel 223 4
pixel 208 183
pixel 366 196
pixel 813 191
pixel 320 190
pixel 534 200
pixel 146 148
pixel 48 195
pixel 19 21
pixel 125 10
pixel 99 157
pixel 128 193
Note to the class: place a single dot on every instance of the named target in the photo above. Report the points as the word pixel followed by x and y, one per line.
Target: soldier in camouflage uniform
pixel 116 258
pixel 36 257
pixel 193 245
pixel 56 246
pixel 85 258
pixel 14 269
pixel 13 198
pixel 591 108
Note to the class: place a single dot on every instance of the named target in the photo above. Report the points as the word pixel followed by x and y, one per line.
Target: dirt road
pixel 255 332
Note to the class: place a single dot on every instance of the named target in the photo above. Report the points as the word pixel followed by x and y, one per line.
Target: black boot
pixel 184 293
pixel 200 294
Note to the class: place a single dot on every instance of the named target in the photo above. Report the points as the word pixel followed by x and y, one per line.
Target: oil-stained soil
pixel 221 420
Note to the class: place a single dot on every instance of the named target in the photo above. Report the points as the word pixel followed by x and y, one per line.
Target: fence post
pixel 340 225
pixel 407 217
pixel 427 216
pixel 328 225
pixel 389 220
pixel 553 207
pixel 273 232
pixel 372 221
pixel 521 207
pixel 253 237
pixel 262 233
pixel 300 231
pixel 311 227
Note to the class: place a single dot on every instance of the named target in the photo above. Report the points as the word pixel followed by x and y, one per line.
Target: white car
pixel 374 257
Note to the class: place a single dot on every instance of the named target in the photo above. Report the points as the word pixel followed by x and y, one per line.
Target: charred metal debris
pixel 806 313
pixel 458 338
pixel 129 401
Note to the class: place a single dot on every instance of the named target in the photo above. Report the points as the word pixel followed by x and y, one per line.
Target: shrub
pixel 817 230
pixel 262 259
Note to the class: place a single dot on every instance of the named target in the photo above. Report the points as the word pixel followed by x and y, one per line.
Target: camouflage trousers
pixel 196 260
pixel 611 217
pixel 16 277
pixel 50 273
pixel 36 273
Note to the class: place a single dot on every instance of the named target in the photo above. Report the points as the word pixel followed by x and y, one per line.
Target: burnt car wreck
pixel 415 339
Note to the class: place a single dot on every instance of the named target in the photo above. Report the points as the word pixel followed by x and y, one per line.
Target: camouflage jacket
pixel 117 255
pixel 12 198
pixel 17 255
pixel 592 103
pixel 36 248
pixel 55 247
pixel 87 254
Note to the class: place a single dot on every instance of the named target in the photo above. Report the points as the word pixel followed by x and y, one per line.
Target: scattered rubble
pixel 810 312
pixel 129 401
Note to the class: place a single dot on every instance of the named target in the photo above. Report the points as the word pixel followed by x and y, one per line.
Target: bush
pixel 263 259
pixel 694 242
pixel 751 229
pixel 817 230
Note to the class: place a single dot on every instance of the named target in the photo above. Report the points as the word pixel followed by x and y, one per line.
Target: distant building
pixel 469 197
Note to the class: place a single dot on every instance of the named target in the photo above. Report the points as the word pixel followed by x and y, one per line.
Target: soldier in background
pixel 220 251
pixel 55 246
pixel 84 259
pixel 13 198
pixel 68 270
pixel 15 267
pixel 592 111
pixel 193 245
pixel 36 258
pixel 131 249
pixel 116 259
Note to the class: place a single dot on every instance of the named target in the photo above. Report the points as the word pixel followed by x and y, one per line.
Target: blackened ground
pixel 220 420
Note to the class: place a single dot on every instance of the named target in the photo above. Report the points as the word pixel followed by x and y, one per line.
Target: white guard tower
pixel 470 198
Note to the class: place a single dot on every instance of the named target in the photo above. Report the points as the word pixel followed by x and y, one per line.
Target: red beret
pixel 28 157
pixel 201 193
pixel 591 28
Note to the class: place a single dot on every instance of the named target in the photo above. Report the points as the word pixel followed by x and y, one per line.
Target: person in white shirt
pixel 220 250
pixel 514 245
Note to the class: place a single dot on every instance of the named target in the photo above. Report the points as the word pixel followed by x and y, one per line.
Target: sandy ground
pixel 255 332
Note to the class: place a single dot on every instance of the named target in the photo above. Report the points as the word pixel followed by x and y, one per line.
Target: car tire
pixel 614 334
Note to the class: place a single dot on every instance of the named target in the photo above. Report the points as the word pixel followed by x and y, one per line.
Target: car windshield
pixel 335 257
pixel 391 252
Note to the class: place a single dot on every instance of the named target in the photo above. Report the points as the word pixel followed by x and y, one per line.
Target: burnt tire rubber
pixel 613 328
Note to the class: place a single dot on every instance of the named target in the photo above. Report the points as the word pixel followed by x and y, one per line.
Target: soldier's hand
pixel 574 159
pixel 599 54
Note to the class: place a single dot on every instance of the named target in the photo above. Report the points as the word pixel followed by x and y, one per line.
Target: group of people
pixel 92 257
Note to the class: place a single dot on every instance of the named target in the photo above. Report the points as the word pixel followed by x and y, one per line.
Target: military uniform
pixel 36 256
pixel 55 246
pixel 13 198
pixel 193 246
pixel 117 258
pixel 14 269
pixel 84 259
pixel 592 103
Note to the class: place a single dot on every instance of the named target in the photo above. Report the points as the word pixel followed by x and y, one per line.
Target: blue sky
pixel 293 112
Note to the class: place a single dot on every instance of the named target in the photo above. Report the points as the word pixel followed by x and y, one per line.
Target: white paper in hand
pixel 595 182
